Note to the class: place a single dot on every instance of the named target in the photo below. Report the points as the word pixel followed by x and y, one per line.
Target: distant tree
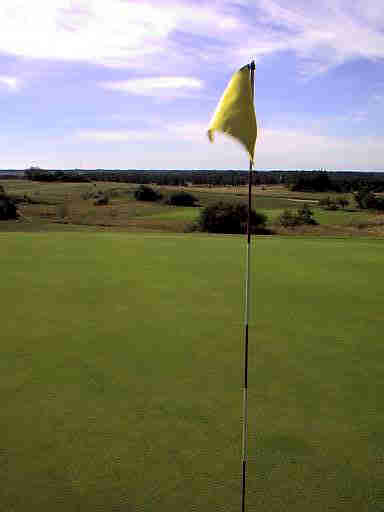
pixel 37 174
pixel 224 217
pixel 315 181
pixel 182 199
pixel 145 193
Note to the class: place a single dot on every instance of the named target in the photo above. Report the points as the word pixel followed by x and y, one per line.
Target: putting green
pixel 121 373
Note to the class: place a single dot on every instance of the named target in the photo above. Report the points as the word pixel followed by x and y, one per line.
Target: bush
pixel 182 199
pixel 101 199
pixel 343 202
pixel 87 194
pixel 8 208
pixel 288 219
pixel 303 215
pixel 366 199
pixel 327 203
pixel 145 193
pixel 62 211
pixel 230 218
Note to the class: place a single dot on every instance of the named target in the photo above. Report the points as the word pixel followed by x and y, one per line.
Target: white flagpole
pixel 247 317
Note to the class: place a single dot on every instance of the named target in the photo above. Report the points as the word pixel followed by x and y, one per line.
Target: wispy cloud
pixel 164 86
pixel 378 98
pixel 114 135
pixel 12 83
pixel 108 32
pixel 157 132
pixel 355 117
pixel 147 33
pixel 322 34
pixel 187 49
pixel 280 148
pixel 294 149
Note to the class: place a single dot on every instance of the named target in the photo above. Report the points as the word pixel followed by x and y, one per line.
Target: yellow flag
pixel 235 113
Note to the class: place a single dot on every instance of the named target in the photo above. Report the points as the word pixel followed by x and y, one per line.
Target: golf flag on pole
pixel 235 113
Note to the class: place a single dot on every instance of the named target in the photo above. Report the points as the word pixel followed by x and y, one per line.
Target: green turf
pixel 179 212
pixel 341 217
pixel 325 217
pixel 121 361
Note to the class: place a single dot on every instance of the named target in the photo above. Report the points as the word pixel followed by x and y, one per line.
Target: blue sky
pixel 133 84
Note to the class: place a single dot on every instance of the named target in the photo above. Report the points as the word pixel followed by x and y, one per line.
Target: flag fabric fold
pixel 235 113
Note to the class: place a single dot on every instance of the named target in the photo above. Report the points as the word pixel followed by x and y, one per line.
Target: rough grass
pixel 63 205
pixel 121 360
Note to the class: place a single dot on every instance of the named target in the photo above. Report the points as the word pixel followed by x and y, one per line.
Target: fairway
pixel 121 373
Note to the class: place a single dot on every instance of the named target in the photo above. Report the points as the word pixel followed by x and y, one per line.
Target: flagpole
pixel 247 316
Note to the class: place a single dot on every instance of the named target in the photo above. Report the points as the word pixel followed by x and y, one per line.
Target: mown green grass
pixel 121 359
pixel 342 217
pixel 179 212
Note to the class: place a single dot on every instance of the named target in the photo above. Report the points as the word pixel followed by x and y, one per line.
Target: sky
pixel 131 84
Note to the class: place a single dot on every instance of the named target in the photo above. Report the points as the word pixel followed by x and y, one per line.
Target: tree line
pixel 301 181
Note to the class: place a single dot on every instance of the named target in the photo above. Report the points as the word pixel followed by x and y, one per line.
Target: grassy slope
pixel 121 364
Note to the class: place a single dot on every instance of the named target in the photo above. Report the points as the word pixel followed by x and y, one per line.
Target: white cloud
pixel 164 86
pixel 323 34
pixel 109 32
pixel 164 35
pixel 12 83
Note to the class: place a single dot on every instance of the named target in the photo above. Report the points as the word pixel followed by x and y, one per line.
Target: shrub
pixel 182 199
pixel 343 202
pixel 96 194
pixel 8 208
pixel 304 215
pixel 62 211
pixel 145 193
pixel 366 199
pixel 102 199
pixel 87 194
pixel 328 203
pixel 230 218
pixel 288 219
